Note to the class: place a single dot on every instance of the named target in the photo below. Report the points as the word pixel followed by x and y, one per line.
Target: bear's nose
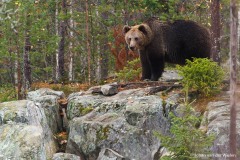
pixel 132 48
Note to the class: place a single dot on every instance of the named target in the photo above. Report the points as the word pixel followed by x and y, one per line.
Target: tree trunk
pixel 99 58
pixel 238 29
pixel 215 30
pixel 104 55
pixel 16 69
pixel 102 62
pixel 26 63
pixel 61 46
pixel 88 44
pixel 233 76
pixel 19 77
pixel 56 32
pixel 70 66
pixel 103 58
pixel 125 11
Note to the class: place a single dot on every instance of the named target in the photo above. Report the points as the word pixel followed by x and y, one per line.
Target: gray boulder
pixel 81 105
pixel 170 75
pixel 20 141
pixel 51 109
pixel 24 131
pixel 109 89
pixel 109 154
pixel 65 156
pixel 27 127
pixel 123 123
pixel 217 121
pixel 44 92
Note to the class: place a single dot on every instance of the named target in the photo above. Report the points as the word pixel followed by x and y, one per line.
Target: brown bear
pixel 171 42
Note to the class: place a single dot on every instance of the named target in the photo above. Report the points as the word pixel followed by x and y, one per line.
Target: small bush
pixel 131 71
pixel 201 74
pixel 186 140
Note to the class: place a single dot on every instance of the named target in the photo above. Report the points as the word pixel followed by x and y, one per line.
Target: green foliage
pixel 41 21
pixel 7 93
pixel 130 72
pixel 186 141
pixel 201 74
pixel 35 18
pixel 172 9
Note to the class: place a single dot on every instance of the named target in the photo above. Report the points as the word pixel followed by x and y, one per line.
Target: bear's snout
pixel 132 48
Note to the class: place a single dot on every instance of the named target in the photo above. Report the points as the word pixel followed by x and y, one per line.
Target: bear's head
pixel 137 37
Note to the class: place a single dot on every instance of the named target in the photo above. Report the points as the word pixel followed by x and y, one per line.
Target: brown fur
pixel 138 40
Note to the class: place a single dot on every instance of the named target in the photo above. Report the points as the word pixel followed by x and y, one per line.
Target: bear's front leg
pixel 157 67
pixel 146 68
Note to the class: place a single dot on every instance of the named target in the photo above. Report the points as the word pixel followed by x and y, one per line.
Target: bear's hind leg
pixel 157 68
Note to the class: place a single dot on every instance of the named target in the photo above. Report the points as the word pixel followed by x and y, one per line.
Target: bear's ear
pixel 126 29
pixel 143 29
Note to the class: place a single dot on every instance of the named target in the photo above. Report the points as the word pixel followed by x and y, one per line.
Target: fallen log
pixel 154 87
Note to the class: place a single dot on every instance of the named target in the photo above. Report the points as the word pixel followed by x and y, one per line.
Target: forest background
pixel 62 41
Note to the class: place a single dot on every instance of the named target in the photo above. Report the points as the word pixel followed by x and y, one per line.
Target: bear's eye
pixel 136 39
pixel 129 39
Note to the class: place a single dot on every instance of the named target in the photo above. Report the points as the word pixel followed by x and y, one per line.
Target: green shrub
pixel 186 140
pixel 201 74
pixel 131 71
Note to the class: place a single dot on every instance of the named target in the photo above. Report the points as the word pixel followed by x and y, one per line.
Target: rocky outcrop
pixel 103 123
pixel 217 121
pixel 122 124
pixel 27 127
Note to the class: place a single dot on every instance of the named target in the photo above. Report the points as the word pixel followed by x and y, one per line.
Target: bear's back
pixel 193 40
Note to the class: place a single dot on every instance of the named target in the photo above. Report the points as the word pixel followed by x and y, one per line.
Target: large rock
pixel 65 156
pixel 44 92
pixel 109 89
pixel 123 123
pixel 81 105
pixel 109 154
pixel 51 110
pixel 20 141
pixel 170 75
pixel 27 127
pixel 48 99
pixel 217 121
